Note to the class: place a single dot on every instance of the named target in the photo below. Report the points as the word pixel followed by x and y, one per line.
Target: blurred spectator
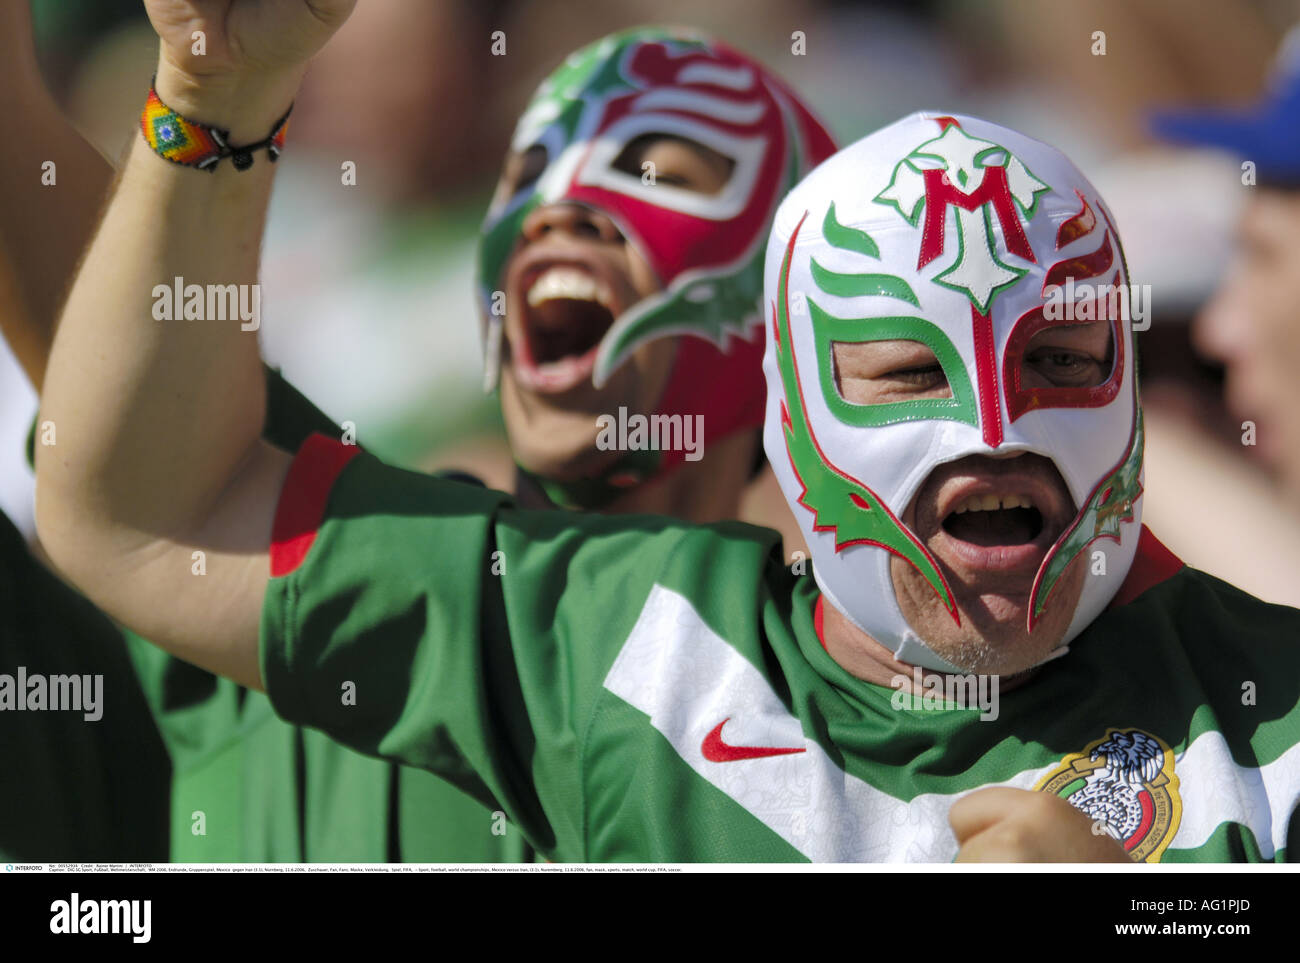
pixel 1209 494
pixel 1252 324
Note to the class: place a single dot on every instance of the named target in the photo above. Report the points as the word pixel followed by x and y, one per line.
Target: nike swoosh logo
pixel 715 750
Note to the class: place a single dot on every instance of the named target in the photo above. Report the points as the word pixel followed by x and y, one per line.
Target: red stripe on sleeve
pixel 819 620
pixel 1152 565
pixel 302 500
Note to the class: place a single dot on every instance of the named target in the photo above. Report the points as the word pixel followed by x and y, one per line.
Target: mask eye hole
pixel 1069 356
pixel 522 169
pixel 675 162
pixel 885 372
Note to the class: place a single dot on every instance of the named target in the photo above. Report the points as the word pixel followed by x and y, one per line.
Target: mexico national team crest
pixel 1126 781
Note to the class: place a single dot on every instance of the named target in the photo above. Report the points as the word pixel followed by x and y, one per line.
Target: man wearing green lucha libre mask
pixel 620 269
pixel 663 275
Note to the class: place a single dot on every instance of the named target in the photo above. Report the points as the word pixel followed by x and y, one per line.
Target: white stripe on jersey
pixel 1216 790
pixel 688 679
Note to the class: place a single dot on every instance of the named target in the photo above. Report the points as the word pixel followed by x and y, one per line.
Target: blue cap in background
pixel 1267 134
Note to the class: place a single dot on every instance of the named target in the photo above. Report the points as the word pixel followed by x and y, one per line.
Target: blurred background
pixel 368 300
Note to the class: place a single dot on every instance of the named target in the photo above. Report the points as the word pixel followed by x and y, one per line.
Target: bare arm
pixel 46 213
pixel 157 422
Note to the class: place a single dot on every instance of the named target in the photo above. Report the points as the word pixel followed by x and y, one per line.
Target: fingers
pixel 979 810
pixel 1018 826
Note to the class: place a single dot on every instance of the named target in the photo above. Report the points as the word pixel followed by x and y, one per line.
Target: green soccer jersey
pixel 83 772
pixel 645 689
pixel 250 787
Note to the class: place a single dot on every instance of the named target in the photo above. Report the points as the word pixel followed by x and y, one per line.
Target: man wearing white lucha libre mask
pixel 645 689
pixel 950 449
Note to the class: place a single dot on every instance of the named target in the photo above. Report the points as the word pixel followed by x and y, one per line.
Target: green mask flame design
pixel 839 503
pixel 709 307
pixel 592 73
pixel 828 329
pixel 1110 506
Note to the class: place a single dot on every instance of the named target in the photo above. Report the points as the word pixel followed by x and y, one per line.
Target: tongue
pixel 1006 526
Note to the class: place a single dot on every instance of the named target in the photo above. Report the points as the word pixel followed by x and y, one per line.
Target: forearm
pixel 156 420
pixel 155 495
pixel 53 184
pixel 160 412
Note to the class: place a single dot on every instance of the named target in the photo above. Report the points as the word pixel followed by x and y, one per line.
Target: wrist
pixel 246 105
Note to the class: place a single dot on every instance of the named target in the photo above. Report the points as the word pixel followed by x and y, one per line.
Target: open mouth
pixel 566 314
pixel 994 520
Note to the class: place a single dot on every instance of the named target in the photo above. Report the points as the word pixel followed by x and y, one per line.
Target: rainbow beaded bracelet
pixel 182 141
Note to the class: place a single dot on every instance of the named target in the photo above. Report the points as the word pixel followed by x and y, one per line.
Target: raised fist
pixel 238 63
pixel 205 38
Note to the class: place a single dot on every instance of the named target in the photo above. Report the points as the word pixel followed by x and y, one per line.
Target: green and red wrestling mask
pixel 621 261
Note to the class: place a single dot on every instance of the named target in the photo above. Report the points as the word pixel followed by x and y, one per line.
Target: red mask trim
pixel 675 241
pixel 1078 226
pixel 1083 267
pixel 1021 400
pixel 986 368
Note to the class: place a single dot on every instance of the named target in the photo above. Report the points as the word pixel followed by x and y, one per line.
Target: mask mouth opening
pixel 566 312
pixel 1014 500
pixel 561 329
pixel 1003 522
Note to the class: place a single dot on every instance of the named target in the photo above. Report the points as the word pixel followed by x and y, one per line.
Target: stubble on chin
pixel 985 643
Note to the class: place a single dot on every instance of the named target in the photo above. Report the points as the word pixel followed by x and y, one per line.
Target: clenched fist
pixel 999 825
pixel 238 63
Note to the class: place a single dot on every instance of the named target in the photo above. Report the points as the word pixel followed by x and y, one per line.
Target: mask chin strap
pixel 912 650
pixel 911 647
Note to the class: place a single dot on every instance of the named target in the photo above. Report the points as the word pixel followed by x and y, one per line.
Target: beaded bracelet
pixel 182 141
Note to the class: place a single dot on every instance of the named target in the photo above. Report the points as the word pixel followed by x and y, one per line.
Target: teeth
pixel 566 282
pixel 991 503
